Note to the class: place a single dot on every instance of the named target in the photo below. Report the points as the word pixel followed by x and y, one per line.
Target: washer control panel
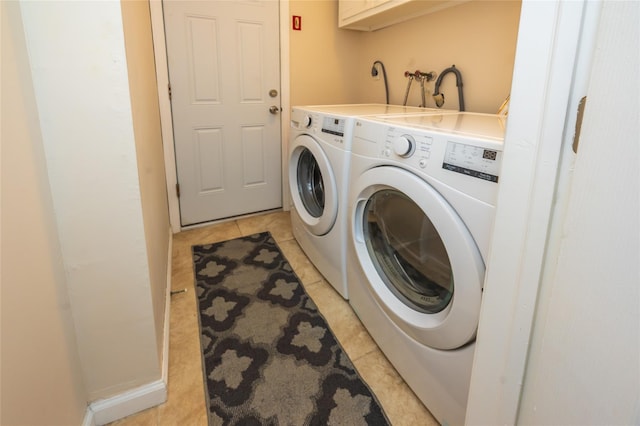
pixel 466 165
pixel 417 148
pixel 474 161
pixel 456 156
pixel 404 145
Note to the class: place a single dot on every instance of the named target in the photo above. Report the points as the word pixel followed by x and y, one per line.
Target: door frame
pixel 553 61
pixel 166 120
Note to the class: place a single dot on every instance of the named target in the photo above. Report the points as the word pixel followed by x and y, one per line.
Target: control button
pixel 422 163
pixel 404 145
pixel 386 152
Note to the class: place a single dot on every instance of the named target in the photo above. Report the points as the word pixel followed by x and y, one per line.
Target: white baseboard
pixel 130 402
pixel 88 418
pixel 155 393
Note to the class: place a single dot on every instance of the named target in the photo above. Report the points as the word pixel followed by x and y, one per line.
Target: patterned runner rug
pixel 269 356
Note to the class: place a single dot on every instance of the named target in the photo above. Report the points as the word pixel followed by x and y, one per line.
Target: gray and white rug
pixel 269 357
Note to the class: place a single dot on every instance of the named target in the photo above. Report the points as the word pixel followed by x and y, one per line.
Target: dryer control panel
pixel 333 126
pixel 314 122
pixel 331 129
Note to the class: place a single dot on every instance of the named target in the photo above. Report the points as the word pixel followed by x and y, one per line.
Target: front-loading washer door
pixel 313 185
pixel 420 262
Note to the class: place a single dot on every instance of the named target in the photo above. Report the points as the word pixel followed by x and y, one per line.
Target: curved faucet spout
pixel 439 97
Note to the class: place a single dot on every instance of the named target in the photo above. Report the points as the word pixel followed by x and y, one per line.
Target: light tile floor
pixel 185 405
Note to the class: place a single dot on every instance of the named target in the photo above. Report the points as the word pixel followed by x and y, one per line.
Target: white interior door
pixel 224 72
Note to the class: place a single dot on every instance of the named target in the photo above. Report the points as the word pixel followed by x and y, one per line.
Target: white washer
pixel 320 142
pixel 421 208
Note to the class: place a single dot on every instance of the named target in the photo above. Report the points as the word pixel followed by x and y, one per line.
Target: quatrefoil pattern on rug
pixel 269 355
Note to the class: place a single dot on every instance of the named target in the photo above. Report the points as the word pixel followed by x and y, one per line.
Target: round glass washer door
pixel 420 262
pixel 407 252
pixel 312 185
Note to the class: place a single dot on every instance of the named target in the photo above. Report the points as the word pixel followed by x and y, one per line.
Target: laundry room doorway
pixel 224 76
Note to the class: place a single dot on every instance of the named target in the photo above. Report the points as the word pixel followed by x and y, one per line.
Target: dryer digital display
pixel 333 126
pixel 472 161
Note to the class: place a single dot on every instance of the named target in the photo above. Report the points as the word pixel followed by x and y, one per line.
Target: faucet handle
pixel 428 76
pixel 431 75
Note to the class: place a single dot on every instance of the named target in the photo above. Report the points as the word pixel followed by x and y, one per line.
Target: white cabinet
pixel 350 10
pixel 371 15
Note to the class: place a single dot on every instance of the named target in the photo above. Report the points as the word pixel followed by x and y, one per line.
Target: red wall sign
pixel 296 23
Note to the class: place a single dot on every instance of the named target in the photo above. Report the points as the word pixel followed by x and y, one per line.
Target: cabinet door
pixel 350 8
pixel 371 15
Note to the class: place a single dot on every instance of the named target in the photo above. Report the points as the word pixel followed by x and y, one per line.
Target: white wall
pixel 149 152
pixel 322 57
pixel 584 355
pixel 80 76
pixel 41 375
pixel 538 128
pixel 479 37
pixel 331 65
pixel 584 363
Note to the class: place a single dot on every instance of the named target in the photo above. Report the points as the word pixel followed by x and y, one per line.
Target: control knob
pixel 404 145
pixel 306 121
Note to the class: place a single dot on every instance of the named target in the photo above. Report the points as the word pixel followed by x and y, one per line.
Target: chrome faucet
pixel 420 77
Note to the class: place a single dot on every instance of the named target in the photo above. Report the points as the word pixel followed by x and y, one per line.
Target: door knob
pixel 274 109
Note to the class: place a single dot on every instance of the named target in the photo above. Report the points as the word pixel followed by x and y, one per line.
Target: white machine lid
pixel 361 110
pixel 486 126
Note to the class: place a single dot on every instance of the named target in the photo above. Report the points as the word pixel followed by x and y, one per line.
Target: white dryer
pixel 319 152
pixel 421 208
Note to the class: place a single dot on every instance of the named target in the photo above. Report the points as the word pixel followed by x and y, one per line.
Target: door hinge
pixel 178 190
pixel 576 135
pixel 169 86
